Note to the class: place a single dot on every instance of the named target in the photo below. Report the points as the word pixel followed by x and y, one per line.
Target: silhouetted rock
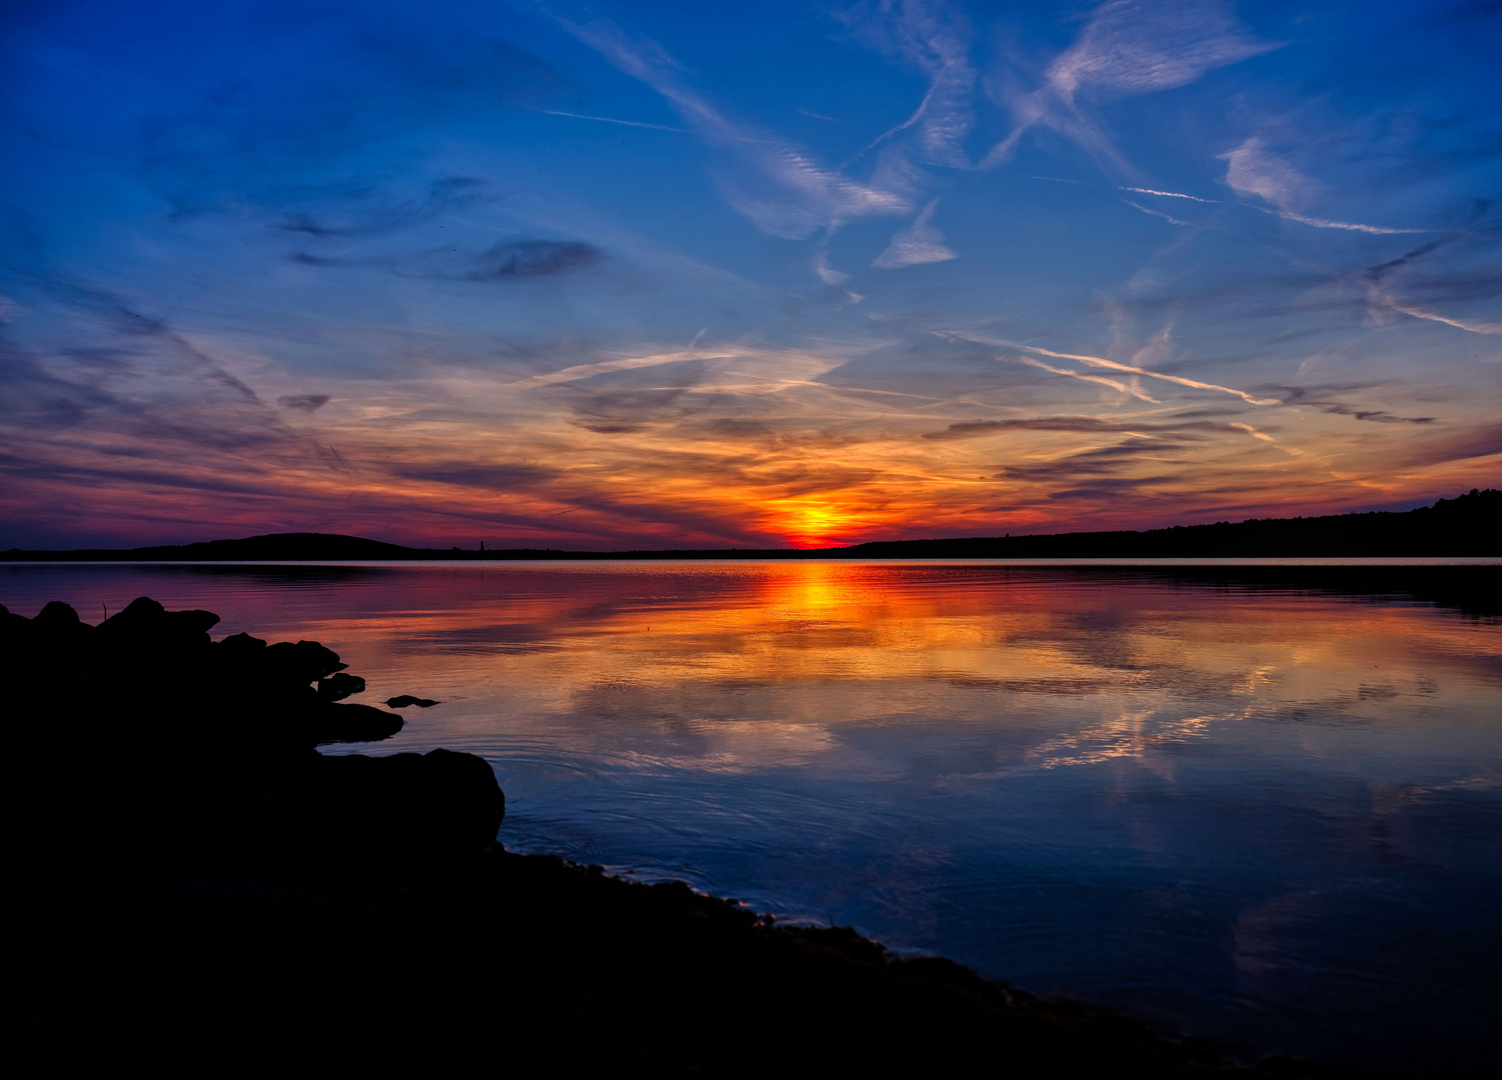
pixel 145 624
pixel 241 645
pixel 353 723
pixel 438 801
pixel 401 701
pixel 340 685
pixel 56 617
pixel 299 663
pixel 58 632
pixel 180 744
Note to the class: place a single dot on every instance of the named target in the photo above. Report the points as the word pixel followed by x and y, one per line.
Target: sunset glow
pixel 814 524
pixel 667 275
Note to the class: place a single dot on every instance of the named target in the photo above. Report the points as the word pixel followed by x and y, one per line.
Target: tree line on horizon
pixel 1467 525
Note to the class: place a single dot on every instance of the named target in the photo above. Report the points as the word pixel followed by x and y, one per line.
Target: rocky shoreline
pixel 201 889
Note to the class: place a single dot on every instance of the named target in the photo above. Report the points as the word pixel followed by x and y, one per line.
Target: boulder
pixel 298 664
pixel 56 617
pixel 352 723
pixel 433 802
pixel 146 622
pixel 240 646
pixel 145 642
pixel 339 686
pixel 59 633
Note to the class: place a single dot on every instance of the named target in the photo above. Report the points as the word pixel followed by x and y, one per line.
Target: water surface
pixel 1242 807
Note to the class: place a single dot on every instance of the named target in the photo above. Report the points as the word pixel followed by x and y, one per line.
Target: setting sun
pixel 812 524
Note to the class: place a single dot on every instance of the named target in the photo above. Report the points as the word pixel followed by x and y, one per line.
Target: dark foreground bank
pixel 199 889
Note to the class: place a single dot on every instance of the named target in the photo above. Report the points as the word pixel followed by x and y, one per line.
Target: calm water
pixel 1263 816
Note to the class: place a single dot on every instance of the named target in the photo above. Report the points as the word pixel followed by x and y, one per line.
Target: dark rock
pixel 145 643
pixel 146 622
pixel 401 701
pixel 55 641
pixel 15 630
pixel 175 742
pixel 438 801
pixel 140 611
pixel 58 631
pixel 56 616
pixel 241 645
pixel 352 723
pixel 300 664
pixel 339 686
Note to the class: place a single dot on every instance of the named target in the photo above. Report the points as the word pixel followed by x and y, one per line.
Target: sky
pixel 659 274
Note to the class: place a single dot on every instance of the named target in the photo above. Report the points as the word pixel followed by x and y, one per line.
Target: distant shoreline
pixel 1171 562
pixel 1469 526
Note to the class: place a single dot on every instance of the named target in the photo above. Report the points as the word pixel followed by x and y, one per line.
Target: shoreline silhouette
pixel 1468 525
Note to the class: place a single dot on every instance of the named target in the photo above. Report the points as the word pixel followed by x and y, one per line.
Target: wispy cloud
pixel 1252 170
pixel 1382 296
pixel 774 183
pixel 1114 365
pixel 1253 432
pixel 1136 47
pixel 586 371
pixel 1347 226
pixel 781 187
pixel 919 243
pixel 303 402
pixel 828 274
pixel 1318 397
pixel 506 260
pixel 348 211
pixel 1129 47
pixel 1114 384
pixel 1157 213
pixel 935 39
pixel 1434 316
pixel 1182 431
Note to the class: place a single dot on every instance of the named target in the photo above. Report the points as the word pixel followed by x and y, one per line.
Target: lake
pixel 1232 802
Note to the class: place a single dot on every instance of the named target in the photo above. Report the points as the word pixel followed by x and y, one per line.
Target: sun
pixel 812 523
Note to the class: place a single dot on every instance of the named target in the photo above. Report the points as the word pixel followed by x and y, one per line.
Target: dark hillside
pixel 1468 525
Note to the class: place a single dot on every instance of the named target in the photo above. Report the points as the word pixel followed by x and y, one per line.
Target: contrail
pixel 612 120
pixel 1100 361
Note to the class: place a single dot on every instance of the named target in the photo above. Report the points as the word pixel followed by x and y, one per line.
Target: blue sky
pixel 663 274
